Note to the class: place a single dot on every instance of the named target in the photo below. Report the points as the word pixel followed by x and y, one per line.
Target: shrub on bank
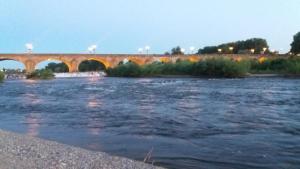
pixel 277 65
pixel 222 67
pixel 125 70
pixel 1 76
pixel 215 67
pixel 43 74
pixel 293 66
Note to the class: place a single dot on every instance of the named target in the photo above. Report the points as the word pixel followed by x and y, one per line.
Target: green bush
pixel 277 65
pixel 125 70
pixel 293 66
pixel 222 67
pixel 1 76
pixel 43 74
pixel 216 67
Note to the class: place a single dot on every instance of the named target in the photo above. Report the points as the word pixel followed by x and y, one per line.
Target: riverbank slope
pixel 23 152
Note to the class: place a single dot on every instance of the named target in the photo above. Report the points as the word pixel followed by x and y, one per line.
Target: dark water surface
pixel 189 123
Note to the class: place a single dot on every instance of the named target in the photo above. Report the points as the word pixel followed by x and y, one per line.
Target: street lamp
pixel 92 49
pixel 264 50
pixel 231 49
pixel 140 50
pixel 192 49
pixel 147 48
pixel 125 61
pixel 252 50
pixel 29 47
pixel 220 50
pixel 182 50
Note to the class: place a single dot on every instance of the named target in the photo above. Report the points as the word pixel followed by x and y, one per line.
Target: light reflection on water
pixel 190 123
pixel 33 119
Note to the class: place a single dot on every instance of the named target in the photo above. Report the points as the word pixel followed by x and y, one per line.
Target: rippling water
pixel 189 123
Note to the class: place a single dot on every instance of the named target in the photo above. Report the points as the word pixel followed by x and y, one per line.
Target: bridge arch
pixel 63 63
pixel 12 64
pixel 102 64
pixel 13 61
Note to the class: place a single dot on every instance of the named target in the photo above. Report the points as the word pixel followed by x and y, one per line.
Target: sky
pixel 123 26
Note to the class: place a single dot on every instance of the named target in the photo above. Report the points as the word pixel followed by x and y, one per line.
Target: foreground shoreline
pixel 23 152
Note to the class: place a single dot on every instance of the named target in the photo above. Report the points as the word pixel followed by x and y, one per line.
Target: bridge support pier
pixel 29 66
pixel 73 66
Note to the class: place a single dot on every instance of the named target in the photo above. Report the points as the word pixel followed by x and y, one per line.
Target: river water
pixel 188 123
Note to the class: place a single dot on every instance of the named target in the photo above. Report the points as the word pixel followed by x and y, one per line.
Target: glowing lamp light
pixel 147 48
pixel 29 47
pixel 192 49
pixel 252 50
pixel 140 50
pixel 231 48
pixel 125 61
pixel 238 59
pixel 182 50
pixel 220 50
pixel 92 49
pixel 262 59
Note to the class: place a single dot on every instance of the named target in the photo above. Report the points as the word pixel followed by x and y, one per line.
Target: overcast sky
pixel 123 26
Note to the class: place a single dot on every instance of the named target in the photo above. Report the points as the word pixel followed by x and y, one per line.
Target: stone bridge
pixel 73 61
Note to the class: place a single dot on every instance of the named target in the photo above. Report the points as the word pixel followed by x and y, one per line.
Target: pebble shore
pixel 24 152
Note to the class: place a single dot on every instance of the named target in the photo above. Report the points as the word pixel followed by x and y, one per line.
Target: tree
pixel 245 46
pixel 177 51
pixel 57 67
pixel 296 44
pixel 91 65
pixel 208 50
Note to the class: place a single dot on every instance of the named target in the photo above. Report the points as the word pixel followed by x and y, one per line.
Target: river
pixel 186 122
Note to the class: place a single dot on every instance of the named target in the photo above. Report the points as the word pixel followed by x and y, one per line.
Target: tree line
pixel 249 46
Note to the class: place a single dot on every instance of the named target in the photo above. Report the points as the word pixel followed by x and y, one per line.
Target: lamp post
pixel 147 48
pixel 192 49
pixel 231 49
pixel 125 61
pixel 182 50
pixel 264 50
pixel 219 50
pixel 92 49
pixel 140 50
pixel 29 47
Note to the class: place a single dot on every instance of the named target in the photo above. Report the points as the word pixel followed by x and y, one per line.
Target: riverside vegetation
pixel 43 74
pixel 1 76
pixel 212 67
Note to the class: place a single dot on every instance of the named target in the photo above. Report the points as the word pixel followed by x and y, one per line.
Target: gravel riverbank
pixel 23 152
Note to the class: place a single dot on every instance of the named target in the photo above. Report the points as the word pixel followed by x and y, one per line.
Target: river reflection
pixel 189 123
pixel 33 124
pixel 33 119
